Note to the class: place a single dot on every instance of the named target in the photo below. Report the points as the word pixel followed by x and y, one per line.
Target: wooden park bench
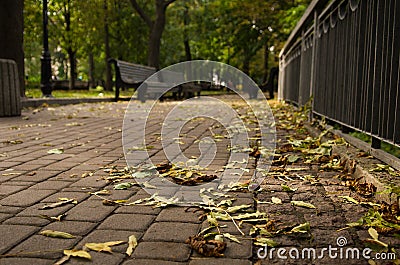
pixel 130 75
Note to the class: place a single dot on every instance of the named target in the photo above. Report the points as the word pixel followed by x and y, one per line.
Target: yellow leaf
pixel 77 253
pixel 57 234
pixel 303 204
pixel 132 243
pixel 373 233
pixel 276 200
pixel 103 247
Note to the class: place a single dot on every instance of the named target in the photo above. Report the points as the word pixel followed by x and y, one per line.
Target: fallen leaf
pixel 63 201
pixel 287 188
pixel 77 253
pixel 349 199
pixel 148 185
pixel 56 234
pixel 292 158
pixel 132 243
pixel 231 237
pixel 276 200
pixel 211 248
pixel 53 218
pixel 124 186
pixel 235 209
pixel 373 233
pixel 263 241
pixel 56 151
pixel 103 247
pixel 303 204
pixel 302 228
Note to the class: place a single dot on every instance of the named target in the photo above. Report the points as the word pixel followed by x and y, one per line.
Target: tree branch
pixel 167 3
pixel 142 14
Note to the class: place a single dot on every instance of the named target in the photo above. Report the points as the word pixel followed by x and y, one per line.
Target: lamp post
pixel 45 77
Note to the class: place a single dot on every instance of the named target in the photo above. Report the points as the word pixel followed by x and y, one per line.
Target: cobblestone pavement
pixel 86 148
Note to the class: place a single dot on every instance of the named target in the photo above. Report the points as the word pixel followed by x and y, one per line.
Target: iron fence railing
pixel 345 55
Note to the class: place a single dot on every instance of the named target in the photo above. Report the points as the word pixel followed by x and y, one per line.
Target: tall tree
pixel 11 35
pixel 156 26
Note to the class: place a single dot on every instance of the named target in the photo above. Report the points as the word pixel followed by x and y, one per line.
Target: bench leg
pixel 116 93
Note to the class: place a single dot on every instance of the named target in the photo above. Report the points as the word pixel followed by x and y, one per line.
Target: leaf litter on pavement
pixel 292 162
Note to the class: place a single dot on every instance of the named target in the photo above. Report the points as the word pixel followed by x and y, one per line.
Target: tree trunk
pixel 92 81
pixel 266 58
pixel 156 34
pixel 156 29
pixel 186 34
pixel 72 67
pixel 11 35
pixel 246 64
pixel 108 84
pixel 70 50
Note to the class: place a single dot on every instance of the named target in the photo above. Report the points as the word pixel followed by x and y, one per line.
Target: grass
pixel 96 93
pixel 91 93
pixel 389 148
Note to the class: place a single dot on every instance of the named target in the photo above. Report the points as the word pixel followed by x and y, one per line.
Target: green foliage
pixel 236 32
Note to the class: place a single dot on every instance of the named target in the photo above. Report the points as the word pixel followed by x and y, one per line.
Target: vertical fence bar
pixel 346 54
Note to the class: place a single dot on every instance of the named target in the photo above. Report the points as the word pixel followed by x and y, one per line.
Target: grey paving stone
pixel 36 210
pixel 117 194
pixel 219 261
pixel 44 247
pixel 131 222
pixel 72 227
pixel 9 189
pixel 26 197
pixel 22 261
pixel 13 234
pixel 36 176
pixel 92 181
pixel 10 209
pixel 79 196
pixel 92 211
pixel 27 220
pixel 4 216
pixel 139 209
pixel 151 262
pixel 163 251
pixel 170 232
pixel 51 185
pixel 178 214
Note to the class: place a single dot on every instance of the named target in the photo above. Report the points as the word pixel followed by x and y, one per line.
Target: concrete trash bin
pixel 10 98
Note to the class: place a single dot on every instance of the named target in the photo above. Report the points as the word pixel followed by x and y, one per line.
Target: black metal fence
pixel 345 54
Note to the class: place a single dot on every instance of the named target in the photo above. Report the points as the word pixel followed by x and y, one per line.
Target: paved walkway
pixel 86 151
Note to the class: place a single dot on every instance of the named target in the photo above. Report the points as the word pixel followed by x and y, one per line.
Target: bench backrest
pixel 134 73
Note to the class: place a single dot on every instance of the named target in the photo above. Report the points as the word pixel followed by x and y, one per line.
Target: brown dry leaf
pixel 58 218
pixel 211 248
pixel 364 189
pixel 132 243
pixel 63 201
pixel 285 148
pixel 163 167
pixel 281 161
pixel 195 180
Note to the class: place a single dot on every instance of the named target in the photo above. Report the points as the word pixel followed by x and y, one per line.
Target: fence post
pixel 10 94
pixel 313 63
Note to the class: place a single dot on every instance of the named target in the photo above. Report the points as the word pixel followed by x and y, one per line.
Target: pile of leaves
pixel 184 175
